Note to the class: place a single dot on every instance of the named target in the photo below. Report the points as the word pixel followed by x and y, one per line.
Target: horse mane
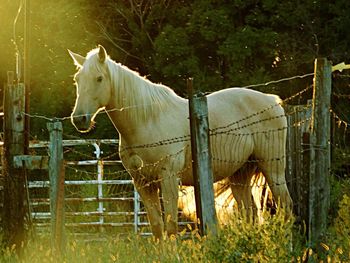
pixel 140 98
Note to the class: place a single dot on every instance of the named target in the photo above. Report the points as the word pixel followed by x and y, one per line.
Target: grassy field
pixel 275 240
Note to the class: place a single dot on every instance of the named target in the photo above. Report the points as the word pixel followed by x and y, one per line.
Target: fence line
pixel 138 214
pixel 186 138
pixel 225 130
pixel 99 182
pixel 125 108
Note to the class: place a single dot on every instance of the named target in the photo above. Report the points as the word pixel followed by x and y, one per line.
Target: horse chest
pixel 154 163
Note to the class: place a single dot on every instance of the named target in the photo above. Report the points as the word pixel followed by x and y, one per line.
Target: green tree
pixel 219 43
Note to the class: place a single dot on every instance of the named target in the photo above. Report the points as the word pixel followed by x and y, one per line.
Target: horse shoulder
pixel 131 161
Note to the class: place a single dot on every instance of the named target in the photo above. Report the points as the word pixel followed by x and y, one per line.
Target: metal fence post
pixel 136 210
pixel 100 208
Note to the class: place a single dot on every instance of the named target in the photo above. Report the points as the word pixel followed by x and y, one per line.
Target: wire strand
pixel 14 40
pixel 136 106
pixel 277 81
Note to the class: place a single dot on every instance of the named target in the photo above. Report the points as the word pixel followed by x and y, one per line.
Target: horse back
pixel 245 108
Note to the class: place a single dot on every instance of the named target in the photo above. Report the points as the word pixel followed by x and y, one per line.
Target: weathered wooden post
pixel 319 194
pixel 14 183
pixel 56 174
pixel 298 161
pixel 201 162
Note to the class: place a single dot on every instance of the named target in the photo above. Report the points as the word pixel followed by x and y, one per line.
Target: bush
pixel 274 240
pixel 241 241
pixel 340 233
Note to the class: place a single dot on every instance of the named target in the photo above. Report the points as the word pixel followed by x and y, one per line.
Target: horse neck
pixel 135 100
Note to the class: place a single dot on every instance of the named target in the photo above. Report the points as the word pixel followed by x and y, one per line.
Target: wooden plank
pixel 302 147
pixel 298 154
pixel 31 162
pixel 202 171
pixel 40 184
pixel 93 162
pixel 290 152
pixel 298 158
pixel 85 199
pixel 319 196
pixel 67 143
pixel 303 183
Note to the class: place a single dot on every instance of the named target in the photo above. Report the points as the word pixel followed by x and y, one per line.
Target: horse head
pixel 93 85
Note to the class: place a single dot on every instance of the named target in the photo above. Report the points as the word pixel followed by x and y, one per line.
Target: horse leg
pixel 275 176
pixel 148 192
pixel 170 193
pixel 258 186
pixel 242 191
pixel 150 198
pixel 269 151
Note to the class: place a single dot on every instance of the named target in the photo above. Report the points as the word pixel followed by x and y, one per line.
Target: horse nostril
pixel 83 119
pixel 82 122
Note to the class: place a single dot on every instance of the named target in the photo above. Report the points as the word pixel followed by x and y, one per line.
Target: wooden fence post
pixel 201 165
pixel 14 211
pixel 298 162
pixel 56 174
pixel 319 195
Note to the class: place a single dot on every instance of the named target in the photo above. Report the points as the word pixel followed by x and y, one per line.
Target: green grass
pixel 275 240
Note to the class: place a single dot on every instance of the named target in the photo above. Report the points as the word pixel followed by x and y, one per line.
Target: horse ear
pixel 78 59
pixel 102 54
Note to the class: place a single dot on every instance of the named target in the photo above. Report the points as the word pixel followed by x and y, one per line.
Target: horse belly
pixel 229 153
pixel 220 171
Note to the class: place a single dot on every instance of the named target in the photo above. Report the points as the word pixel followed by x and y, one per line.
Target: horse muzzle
pixel 83 122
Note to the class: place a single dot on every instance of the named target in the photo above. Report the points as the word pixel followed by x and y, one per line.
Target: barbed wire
pixel 249 161
pixel 340 121
pixel 50 119
pixel 76 153
pixel 341 96
pixel 217 131
pixel 75 169
pixel 298 94
pixel 147 182
pixel 340 76
pixel 278 81
pixel 231 132
pixel 34 115
pixel 214 131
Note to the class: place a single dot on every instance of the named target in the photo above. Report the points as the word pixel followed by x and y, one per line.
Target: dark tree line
pixel 219 43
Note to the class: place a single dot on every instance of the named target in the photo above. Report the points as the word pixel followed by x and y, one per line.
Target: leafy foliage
pixel 270 241
pixel 342 224
pixel 219 43
pixel 240 241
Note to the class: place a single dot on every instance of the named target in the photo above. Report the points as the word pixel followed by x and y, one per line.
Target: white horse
pixel 248 133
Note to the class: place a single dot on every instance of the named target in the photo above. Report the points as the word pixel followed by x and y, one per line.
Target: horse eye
pixel 99 79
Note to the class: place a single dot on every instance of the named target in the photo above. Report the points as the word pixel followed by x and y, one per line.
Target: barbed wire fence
pixel 187 206
pixel 172 140
pixel 299 118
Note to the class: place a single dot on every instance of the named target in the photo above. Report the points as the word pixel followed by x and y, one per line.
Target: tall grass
pixel 275 240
